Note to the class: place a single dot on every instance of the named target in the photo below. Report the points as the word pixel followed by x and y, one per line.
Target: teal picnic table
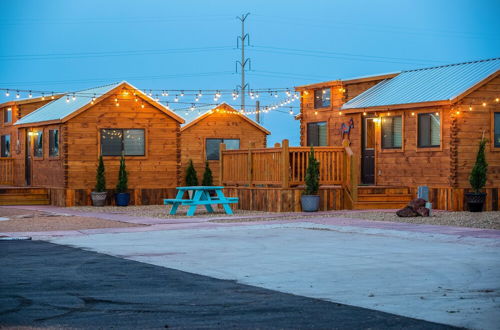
pixel 200 196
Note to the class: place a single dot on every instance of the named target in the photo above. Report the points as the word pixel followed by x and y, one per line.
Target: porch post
pixel 222 148
pixel 285 164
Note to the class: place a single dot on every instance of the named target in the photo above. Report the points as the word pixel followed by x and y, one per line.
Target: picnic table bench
pixel 200 196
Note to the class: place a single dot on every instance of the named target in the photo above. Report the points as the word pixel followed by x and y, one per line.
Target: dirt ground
pixel 28 220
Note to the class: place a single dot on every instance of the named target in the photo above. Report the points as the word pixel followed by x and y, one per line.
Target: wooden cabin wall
pixel 411 166
pixel 216 125
pixel 354 89
pixel 470 125
pixel 16 134
pixel 47 172
pixel 158 169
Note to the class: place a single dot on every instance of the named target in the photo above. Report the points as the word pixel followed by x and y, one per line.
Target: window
pixel 496 133
pixel 213 147
pixel 38 146
pixel 316 134
pixel 53 143
pixel 429 130
pixel 392 129
pixel 130 142
pixel 322 98
pixel 5 146
pixel 7 115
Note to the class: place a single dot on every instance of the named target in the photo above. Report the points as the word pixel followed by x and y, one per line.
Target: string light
pixel 176 99
pixel 413 113
pixel 364 113
pixel 17 94
pixel 199 94
pixel 470 107
pixel 484 104
pixel 182 93
pixel 74 96
pixel 7 93
pixel 30 95
pixel 67 99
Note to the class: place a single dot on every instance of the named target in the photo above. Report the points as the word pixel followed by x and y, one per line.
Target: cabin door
pixel 368 151
pixel 28 158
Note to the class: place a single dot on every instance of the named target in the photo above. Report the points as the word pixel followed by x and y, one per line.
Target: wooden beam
pixel 285 164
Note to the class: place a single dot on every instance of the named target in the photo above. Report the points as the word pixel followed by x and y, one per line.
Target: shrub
pixel 122 185
pixel 478 175
pixel 208 179
pixel 191 176
pixel 100 178
pixel 312 175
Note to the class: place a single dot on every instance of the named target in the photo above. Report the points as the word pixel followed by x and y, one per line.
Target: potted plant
pixel 122 197
pixel 99 194
pixel 477 179
pixel 310 197
pixel 191 177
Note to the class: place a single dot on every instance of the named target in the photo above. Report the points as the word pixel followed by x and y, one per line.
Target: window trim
pixel 10 145
pixel 59 143
pixel 7 123
pixel 35 138
pixel 215 138
pixel 492 130
pixel 99 146
pixel 324 107
pixel 435 148
pixel 327 132
pixel 394 149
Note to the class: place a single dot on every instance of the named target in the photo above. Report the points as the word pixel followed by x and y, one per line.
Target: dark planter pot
pixel 98 198
pixel 475 201
pixel 310 203
pixel 122 199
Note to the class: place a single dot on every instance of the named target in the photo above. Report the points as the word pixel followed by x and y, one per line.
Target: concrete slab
pixel 446 278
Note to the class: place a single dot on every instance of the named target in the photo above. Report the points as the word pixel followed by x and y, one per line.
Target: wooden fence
pixel 281 166
pixel 6 171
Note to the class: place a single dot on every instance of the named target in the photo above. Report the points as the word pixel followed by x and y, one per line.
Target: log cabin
pixel 201 138
pixel 54 144
pixel 412 128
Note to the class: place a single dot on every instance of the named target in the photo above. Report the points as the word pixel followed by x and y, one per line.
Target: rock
pixel 417 203
pixel 406 212
pixel 423 211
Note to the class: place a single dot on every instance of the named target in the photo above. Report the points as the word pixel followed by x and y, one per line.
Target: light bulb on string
pixel 182 93
pixel 67 99
pixel 196 99
pixel 74 96
pixel 199 94
pixel 192 107
pixel 52 96
pixel 43 97
pixel 176 99
pixel 17 94
pixel 276 94
pixel 30 95
pixel 7 93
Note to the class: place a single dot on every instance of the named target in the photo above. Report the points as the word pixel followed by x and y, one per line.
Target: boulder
pixel 415 208
pixel 406 212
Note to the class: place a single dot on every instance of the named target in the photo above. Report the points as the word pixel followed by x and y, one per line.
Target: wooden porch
pixel 256 174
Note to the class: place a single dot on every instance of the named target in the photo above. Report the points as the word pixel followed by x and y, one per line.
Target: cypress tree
pixel 477 177
pixel 208 179
pixel 122 185
pixel 312 175
pixel 191 176
pixel 100 178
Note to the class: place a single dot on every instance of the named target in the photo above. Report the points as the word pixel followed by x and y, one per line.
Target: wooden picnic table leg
pixel 206 196
pixel 196 198
pixel 226 206
pixel 179 195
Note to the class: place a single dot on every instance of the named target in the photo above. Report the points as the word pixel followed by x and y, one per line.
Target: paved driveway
pixel 43 285
pixel 445 278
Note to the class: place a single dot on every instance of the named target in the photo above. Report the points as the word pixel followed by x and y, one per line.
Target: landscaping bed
pixel 20 220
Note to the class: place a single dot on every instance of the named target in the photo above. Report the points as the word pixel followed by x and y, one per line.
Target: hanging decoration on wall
pixel 345 129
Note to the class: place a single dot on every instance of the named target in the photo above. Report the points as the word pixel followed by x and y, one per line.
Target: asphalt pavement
pixel 49 285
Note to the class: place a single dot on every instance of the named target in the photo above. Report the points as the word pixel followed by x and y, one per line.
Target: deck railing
pixel 6 171
pixel 279 166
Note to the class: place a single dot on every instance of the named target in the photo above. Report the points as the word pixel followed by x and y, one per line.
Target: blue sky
pixel 73 45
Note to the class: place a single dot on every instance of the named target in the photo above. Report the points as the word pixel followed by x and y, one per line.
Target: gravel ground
pixel 161 211
pixel 486 220
pixel 28 220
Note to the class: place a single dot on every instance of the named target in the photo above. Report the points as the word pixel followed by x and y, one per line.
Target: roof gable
pixel 436 84
pixel 226 107
pixel 65 108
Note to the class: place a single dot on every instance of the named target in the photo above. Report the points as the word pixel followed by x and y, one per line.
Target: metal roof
pixel 63 107
pixel 440 83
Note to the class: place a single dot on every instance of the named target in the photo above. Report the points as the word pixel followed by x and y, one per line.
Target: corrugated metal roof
pixel 439 83
pixel 61 108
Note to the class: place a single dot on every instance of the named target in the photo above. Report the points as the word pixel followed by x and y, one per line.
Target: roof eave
pixel 397 106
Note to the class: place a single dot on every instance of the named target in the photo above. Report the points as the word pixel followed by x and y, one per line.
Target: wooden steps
pixel 375 197
pixel 24 196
